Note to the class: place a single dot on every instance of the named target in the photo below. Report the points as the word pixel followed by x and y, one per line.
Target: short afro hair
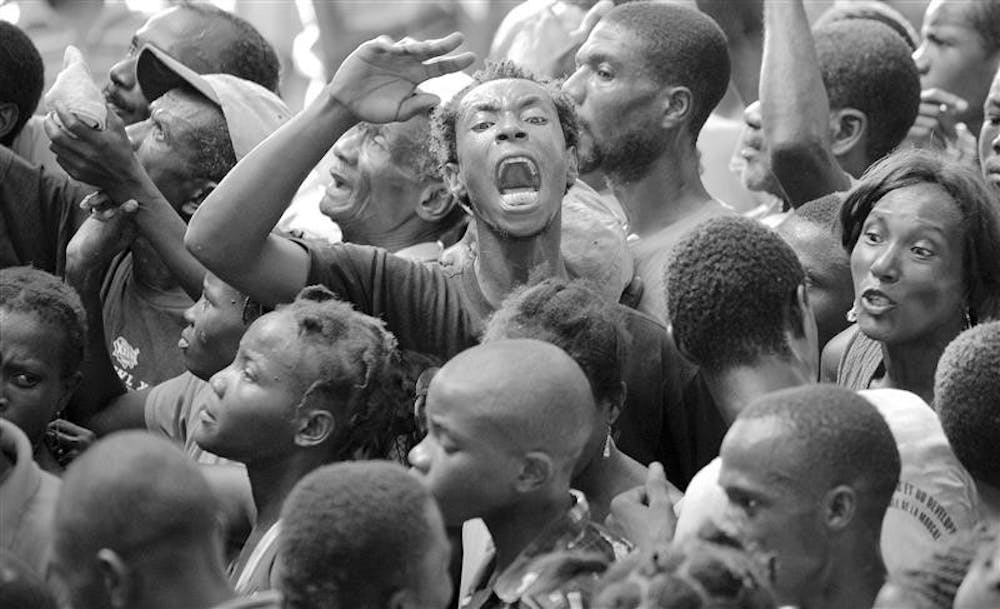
pixel 696 575
pixel 823 212
pixel 731 292
pixel 680 46
pixel 443 122
pixel 867 66
pixel 874 10
pixel 984 17
pixel 972 196
pixel 214 155
pixel 22 75
pixel 966 389
pixel 574 316
pixel 360 378
pixel 352 535
pixel 844 440
pixel 29 290
pixel 250 56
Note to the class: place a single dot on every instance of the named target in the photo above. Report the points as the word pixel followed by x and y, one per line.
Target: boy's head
pixel 22 77
pixel 808 473
pixel 960 51
pixel 133 513
pixel 312 375
pixel 364 534
pixel 966 387
pixel 735 293
pixel 872 85
pixel 43 330
pixel 215 325
pixel 574 316
pixel 506 422
pixel 505 145
pixel 813 231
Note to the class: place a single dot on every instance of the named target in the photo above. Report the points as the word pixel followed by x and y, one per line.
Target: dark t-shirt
pixel 142 326
pixel 39 212
pixel 442 312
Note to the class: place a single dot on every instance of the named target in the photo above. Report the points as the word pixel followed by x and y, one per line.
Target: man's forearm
pixel 794 104
pixel 231 226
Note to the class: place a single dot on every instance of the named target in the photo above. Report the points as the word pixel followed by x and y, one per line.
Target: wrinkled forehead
pixel 184 106
pixel 505 95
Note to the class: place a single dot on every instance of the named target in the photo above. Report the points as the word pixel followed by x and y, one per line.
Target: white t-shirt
pixel 935 499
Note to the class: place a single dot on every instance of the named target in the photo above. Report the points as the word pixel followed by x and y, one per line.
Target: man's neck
pixel 733 388
pixel 517 527
pixel 670 191
pixel 852 580
pixel 272 480
pixel 504 263
pixel 199 584
pixel 411 232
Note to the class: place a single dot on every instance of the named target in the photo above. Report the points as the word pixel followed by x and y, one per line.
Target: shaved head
pixel 132 492
pixel 526 393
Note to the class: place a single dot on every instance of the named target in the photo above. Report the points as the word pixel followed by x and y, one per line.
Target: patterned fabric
pixel 555 571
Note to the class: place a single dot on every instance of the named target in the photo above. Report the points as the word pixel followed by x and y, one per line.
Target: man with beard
pixel 648 76
pixel 506 146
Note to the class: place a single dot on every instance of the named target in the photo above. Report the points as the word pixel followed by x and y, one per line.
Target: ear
pixel 436 202
pixel 537 469
pixel 840 506
pixel 200 190
pixel 679 101
pixel 572 167
pixel 315 426
pixel 8 118
pixel 116 577
pixel 456 185
pixel 848 130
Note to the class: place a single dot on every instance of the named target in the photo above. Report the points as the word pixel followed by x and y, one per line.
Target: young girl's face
pixel 981 586
pixel 253 412
pixel 34 385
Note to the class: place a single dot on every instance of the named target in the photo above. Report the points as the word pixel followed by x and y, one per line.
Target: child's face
pixel 33 384
pixel 981 586
pixel 460 459
pixel 215 325
pixel 254 412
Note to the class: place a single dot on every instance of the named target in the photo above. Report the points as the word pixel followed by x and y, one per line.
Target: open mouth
pixel 876 301
pixel 518 181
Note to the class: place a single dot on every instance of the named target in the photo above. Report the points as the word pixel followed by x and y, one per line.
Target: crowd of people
pixel 664 304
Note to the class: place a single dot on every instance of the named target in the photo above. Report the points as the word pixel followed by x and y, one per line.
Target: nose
pixel 573 86
pixel 510 129
pixel 419 457
pixel 346 148
pixel 921 59
pixel 885 266
pixel 189 312
pixel 122 74
pixel 751 116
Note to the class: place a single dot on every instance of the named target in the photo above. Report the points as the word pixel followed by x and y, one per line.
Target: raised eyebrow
pixel 485 106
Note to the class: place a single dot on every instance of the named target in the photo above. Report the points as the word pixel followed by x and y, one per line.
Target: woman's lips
pixel 876 302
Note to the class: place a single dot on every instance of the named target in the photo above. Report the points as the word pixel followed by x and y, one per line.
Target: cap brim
pixel 158 72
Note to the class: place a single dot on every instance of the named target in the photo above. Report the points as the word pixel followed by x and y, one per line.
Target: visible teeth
pixel 877 299
pixel 516 174
pixel 519 198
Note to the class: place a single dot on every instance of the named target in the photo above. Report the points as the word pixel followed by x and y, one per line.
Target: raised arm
pixel 795 107
pixel 231 231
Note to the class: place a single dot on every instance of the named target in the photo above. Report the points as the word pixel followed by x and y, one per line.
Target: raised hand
pixel 378 82
pixel 645 514
pixel 936 120
pixel 102 158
